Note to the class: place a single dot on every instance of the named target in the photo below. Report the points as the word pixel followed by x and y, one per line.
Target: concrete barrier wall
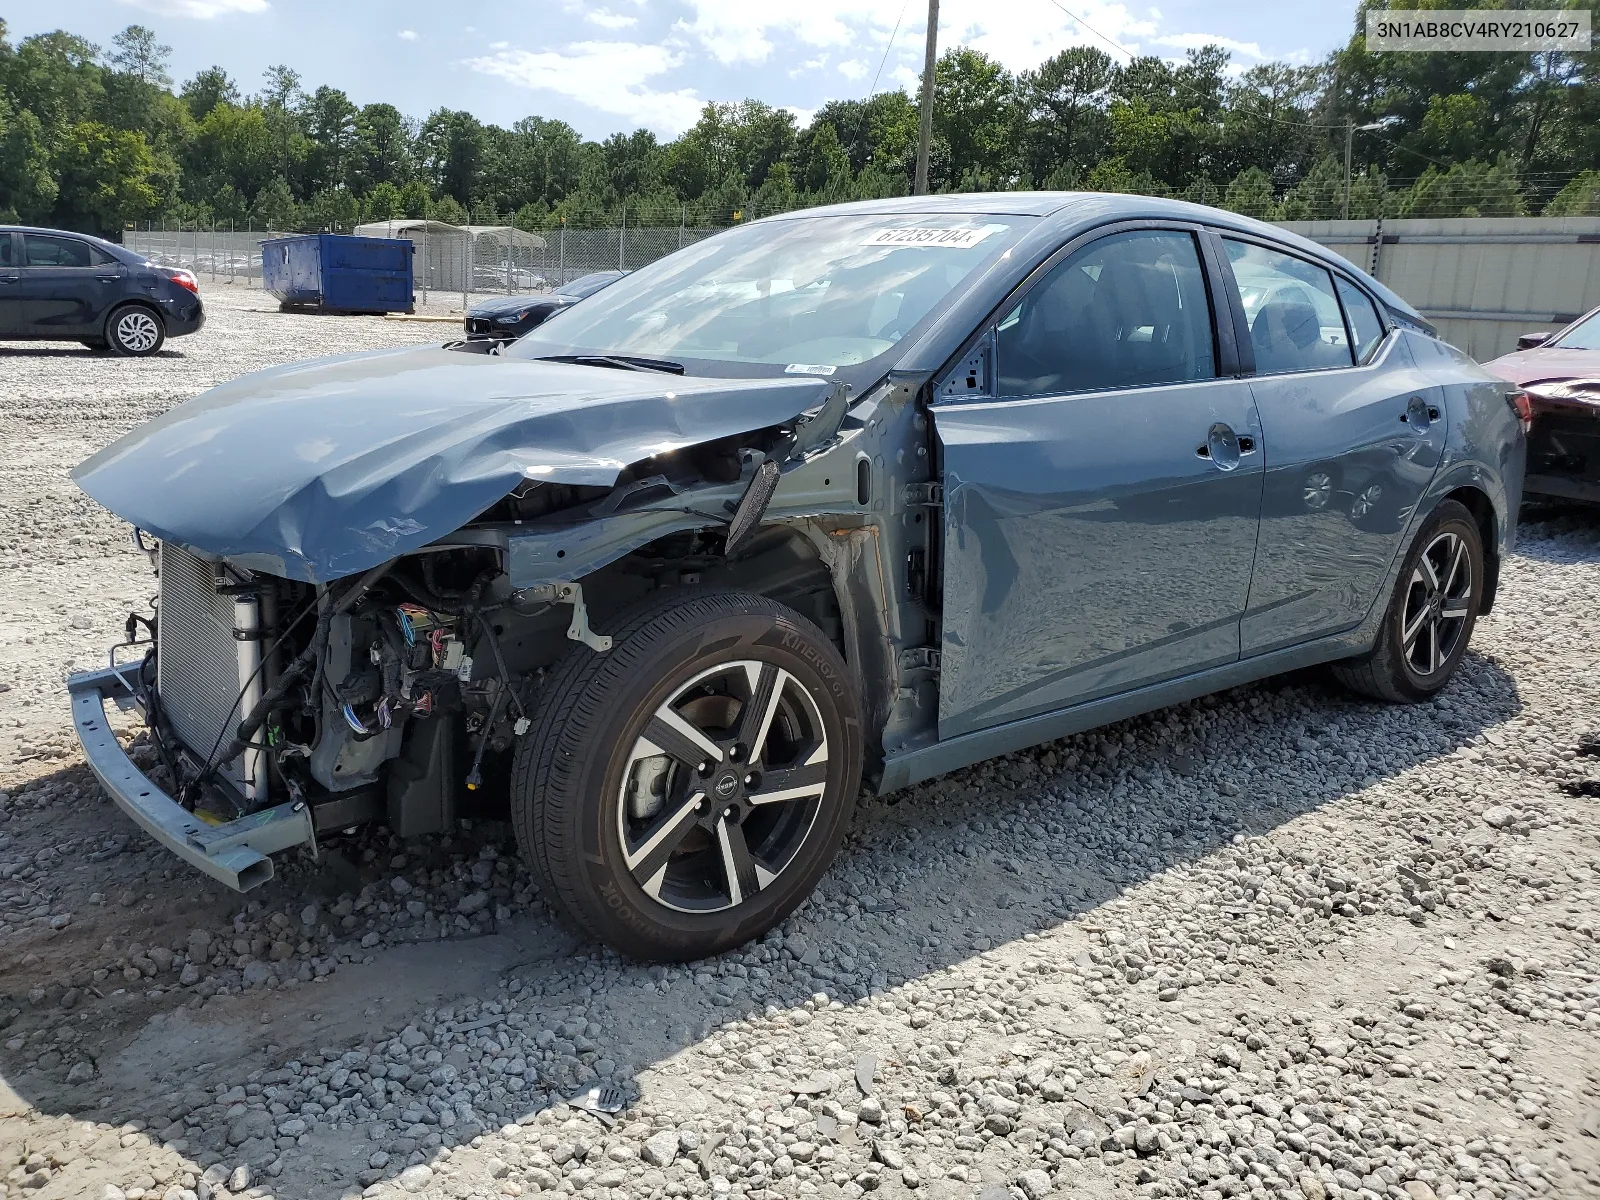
pixel 1481 280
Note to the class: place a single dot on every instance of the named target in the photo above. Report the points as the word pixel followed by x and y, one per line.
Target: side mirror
pixel 1527 341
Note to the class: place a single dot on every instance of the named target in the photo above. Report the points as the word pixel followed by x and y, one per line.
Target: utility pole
pixel 1349 140
pixel 1350 128
pixel 925 126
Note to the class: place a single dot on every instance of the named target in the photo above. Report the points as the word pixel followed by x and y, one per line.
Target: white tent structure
pixel 463 258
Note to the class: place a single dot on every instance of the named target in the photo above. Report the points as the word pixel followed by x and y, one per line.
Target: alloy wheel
pixel 1438 602
pixel 722 787
pixel 137 331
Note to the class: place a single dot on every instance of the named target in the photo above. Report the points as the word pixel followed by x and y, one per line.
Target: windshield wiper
pixel 618 362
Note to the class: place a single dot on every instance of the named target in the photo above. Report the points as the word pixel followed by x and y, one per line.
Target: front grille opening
pixel 197 657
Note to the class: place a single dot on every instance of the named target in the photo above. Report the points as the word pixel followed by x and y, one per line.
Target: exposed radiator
pixel 201 666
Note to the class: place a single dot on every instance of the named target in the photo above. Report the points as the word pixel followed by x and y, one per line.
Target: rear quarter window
pixel 1366 329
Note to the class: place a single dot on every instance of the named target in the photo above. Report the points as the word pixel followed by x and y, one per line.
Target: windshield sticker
pixel 959 239
pixel 807 369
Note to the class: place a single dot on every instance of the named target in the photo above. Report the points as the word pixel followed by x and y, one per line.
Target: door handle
pixel 108 278
pixel 1223 447
pixel 1420 412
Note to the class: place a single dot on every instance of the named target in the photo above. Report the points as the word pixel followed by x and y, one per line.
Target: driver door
pixel 1101 508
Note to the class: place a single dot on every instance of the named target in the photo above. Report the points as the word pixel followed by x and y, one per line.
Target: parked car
pixel 867 492
pixel 61 286
pixel 1560 373
pixel 506 318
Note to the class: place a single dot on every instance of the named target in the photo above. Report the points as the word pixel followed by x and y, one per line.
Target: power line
pixel 888 46
pixel 1176 82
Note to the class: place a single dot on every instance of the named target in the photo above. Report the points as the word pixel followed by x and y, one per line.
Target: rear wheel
pixel 683 792
pixel 135 331
pixel 1431 613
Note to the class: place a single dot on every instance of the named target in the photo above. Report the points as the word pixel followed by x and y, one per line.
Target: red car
pixel 1560 372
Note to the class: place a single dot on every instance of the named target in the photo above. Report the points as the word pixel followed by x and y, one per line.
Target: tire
pixel 1435 604
pixel 135 331
pixel 662 857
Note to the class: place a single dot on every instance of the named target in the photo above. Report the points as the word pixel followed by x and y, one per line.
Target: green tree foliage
pixel 208 89
pixel 107 177
pixel 1250 193
pixel 98 139
pixel 976 115
pixel 1467 189
pixel 27 184
pixel 140 55
pixel 1580 198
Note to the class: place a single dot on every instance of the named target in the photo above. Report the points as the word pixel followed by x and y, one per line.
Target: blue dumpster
pixel 335 272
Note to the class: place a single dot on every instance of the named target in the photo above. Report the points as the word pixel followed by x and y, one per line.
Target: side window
pixel 1366 330
pixel 1294 316
pixel 7 258
pixel 41 250
pixel 1129 310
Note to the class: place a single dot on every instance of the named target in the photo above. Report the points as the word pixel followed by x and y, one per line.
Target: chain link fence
pixel 490 261
pixel 211 252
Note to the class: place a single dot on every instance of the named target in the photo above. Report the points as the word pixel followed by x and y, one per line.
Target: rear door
pixel 10 301
pixel 1353 435
pixel 1101 506
pixel 65 286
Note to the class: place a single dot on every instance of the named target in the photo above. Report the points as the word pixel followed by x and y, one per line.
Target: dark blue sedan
pixel 71 287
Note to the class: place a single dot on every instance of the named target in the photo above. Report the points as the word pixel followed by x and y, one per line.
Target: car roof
pixel 54 232
pixel 1067 214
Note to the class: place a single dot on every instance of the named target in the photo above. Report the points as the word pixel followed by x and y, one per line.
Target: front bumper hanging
pixel 237 853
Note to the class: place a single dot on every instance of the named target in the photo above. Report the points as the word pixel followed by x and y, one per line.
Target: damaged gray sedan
pixel 862 493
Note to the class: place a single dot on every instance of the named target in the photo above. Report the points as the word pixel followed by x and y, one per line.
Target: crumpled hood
pixel 318 470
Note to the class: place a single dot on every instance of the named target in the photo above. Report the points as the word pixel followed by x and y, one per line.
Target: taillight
pixel 183 279
pixel 1523 407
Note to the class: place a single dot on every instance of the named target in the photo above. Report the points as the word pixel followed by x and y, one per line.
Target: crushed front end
pixel 279 709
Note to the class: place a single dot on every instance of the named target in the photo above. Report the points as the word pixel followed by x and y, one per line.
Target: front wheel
pixel 135 331
pixel 683 792
pixel 1430 615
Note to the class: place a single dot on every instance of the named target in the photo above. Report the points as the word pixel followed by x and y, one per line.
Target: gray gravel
pixel 1277 942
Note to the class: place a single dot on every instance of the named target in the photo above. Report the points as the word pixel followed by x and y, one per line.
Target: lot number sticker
pixel 959 239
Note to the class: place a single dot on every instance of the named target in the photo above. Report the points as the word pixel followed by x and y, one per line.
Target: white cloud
pixel 407 35
pixel 607 19
pixel 1194 41
pixel 202 10
pixel 736 31
pixel 499 45
pixel 611 77
pixel 853 68
pixel 1020 33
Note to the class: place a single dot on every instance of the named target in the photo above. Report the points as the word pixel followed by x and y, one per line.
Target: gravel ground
pixel 1276 942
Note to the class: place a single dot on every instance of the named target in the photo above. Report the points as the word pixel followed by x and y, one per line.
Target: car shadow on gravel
pixel 67 350
pixel 930 877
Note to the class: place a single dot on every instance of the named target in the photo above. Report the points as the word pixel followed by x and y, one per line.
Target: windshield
pixel 803 296
pixel 1585 335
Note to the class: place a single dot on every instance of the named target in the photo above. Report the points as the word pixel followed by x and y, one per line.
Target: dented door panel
pixel 1090 547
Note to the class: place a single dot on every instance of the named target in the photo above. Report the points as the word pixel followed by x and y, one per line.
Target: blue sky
pixel 622 64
